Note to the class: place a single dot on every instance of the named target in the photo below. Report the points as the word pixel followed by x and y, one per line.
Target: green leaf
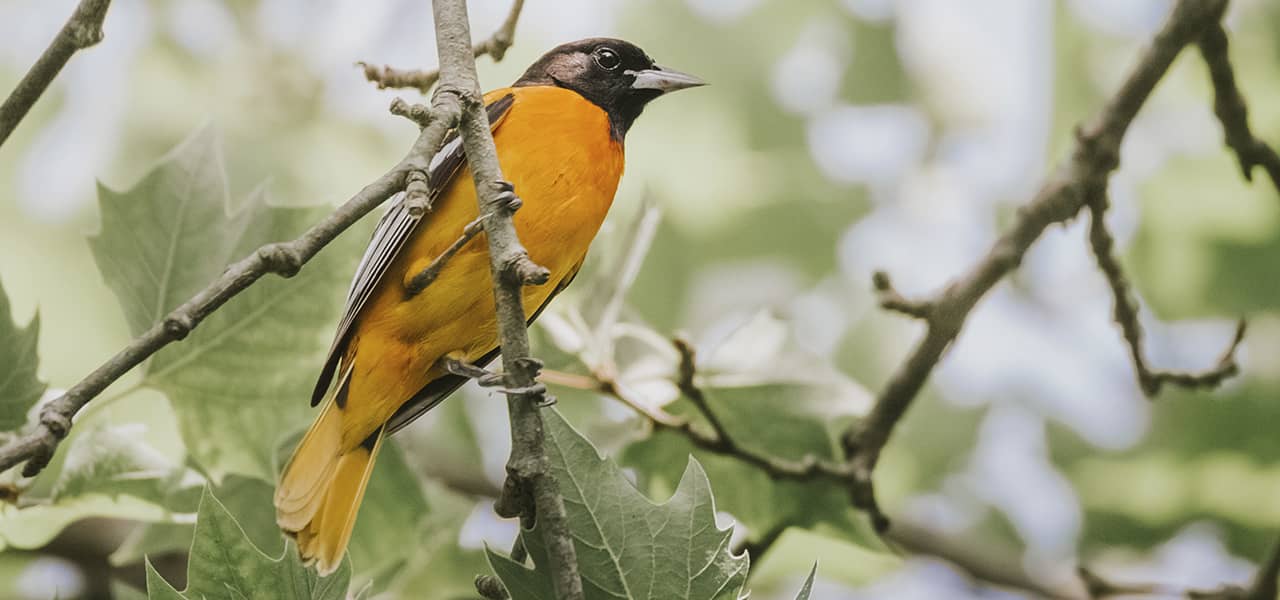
pixel 114 460
pixel 388 528
pixel 438 562
pixel 246 498
pixel 241 380
pixel 775 400
pixel 160 240
pixel 20 388
pixel 224 564
pixel 109 472
pixel 807 588
pixel 628 546
pixel 386 537
pixel 34 526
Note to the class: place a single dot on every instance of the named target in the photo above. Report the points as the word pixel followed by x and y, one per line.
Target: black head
pixel 615 75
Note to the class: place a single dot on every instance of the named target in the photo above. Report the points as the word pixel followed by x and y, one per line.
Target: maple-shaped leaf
pixel 628 546
pixel 223 563
pixel 20 388
pixel 240 381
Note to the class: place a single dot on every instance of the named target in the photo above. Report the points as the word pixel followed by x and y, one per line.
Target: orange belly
pixel 555 147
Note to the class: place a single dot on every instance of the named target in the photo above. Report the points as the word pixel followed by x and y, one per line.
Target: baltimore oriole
pixel 559 132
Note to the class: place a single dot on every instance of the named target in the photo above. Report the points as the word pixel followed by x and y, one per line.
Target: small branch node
pixel 178 326
pixel 417 192
pixel 388 77
pixel 280 258
pixel 520 268
pixel 418 113
pixel 55 422
pixel 86 35
pixel 1231 109
pixel 515 499
pixel 891 300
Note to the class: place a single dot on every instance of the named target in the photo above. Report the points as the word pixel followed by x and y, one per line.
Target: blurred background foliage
pixel 838 137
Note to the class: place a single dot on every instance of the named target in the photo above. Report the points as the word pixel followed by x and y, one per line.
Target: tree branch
pixel 82 30
pixel 1232 111
pixel 995 565
pixel 1125 313
pixel 984 564
pixel 427 275
pixel 422 80
pixel 530 490
pixel 281 258
pixel 1060 199
pixel 414 112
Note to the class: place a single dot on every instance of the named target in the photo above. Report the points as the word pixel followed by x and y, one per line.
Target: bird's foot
pixel 483 376
pixel 499 381
pixel 507 195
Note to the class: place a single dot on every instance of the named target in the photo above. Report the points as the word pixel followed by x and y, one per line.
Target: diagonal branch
pixel 429 274
pixel 530 490
pixel 1232 111
pixel 282 258
pixel 422 80
pixel 1060 199
pixel 82 30
pixel 1125 313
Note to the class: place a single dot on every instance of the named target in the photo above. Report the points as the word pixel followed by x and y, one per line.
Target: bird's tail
pixel 321 489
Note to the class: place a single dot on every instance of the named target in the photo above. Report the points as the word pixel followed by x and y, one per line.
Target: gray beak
pixel 663 79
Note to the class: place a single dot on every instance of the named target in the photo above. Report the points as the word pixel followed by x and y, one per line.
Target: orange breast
pixel 555 147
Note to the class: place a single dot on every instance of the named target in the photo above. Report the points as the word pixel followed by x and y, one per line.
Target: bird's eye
pixel 608 59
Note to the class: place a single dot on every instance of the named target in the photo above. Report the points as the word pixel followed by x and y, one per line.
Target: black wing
pixel 395 228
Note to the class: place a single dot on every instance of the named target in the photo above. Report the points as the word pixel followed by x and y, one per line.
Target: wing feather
pixel 393 231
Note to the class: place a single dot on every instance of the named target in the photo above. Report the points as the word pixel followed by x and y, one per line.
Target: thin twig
pixel 418 113
pixel 530 490
pixel 891 299
pixel 281 258
pixel 1125 313
pixel 718 441
pixel 1060 199
pixel 422 80
pixel 1232 111
pixel 82 30
pixel 996 565
pixel 986 564
pixel 429 274
pixel 723 443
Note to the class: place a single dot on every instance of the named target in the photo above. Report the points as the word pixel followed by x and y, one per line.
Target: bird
pixel 559 131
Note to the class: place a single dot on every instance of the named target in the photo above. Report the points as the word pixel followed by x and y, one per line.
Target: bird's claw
pixel 498 381
pixel 463 368
pixel 507 196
